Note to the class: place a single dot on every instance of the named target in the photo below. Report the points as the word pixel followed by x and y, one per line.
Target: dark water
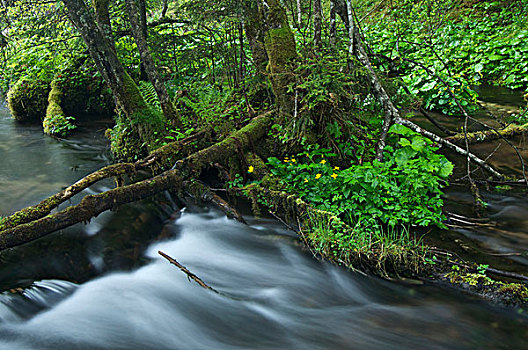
pixel 100 286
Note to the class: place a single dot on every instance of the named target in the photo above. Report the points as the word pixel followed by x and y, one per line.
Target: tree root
pixel 204 193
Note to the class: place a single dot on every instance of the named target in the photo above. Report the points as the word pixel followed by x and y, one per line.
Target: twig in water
pixel 187 272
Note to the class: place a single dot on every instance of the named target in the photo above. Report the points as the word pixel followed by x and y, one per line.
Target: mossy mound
pixel 28 99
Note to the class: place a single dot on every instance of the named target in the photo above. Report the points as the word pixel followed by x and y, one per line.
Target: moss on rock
pixel 27 100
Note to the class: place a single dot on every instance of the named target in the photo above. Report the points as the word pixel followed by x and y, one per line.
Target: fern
pixel 149 95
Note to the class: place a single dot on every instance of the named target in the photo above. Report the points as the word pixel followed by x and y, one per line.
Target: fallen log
pixel 489 135
pixel 153 161
pixel 92 205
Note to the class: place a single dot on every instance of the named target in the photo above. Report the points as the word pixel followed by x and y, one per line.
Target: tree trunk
pixel 317 17
pixel 351 48
pixel 144 30
pixel 164 8
pixel 255 33
pixel 138 31
pixel 16 230
pixel 282 53
pixel 299 14
pixel 98 39
pixel 333 34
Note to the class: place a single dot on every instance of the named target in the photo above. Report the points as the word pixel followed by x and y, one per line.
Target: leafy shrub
pixel 58 125
pixel 405 189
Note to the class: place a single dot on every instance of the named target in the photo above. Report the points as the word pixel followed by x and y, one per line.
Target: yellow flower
pixel 286 160
pixel 336 168
pixel 334 175
pixel 323 161
pixel 293 160
pixel 305 180
pixel 251 169
pixel 318 176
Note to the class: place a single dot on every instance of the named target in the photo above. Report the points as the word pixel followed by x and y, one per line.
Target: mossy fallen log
pixel 17 229
pixel 489 135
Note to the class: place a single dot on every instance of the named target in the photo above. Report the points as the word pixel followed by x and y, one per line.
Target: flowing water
pixel 104 286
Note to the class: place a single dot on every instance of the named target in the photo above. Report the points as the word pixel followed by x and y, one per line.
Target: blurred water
pixel 273 296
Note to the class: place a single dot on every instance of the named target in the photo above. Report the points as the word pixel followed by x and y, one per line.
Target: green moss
pixel 56 122
pixel 27 100
pixel 517 289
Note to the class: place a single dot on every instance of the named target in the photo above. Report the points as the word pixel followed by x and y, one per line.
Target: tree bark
pixel 282 53
pixel 299 14
pixel 489 135
pixel 144 30
pixel 255 34
pixel 333 34
pixel 317 17
pixel 138 30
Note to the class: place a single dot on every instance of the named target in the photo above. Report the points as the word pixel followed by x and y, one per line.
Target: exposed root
pixel 204 193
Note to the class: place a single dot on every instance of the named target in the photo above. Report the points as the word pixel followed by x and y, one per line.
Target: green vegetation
pixel 442 49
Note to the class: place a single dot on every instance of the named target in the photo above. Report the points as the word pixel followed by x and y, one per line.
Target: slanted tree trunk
pixel 35 222
pixel 138 30
pixel 98 38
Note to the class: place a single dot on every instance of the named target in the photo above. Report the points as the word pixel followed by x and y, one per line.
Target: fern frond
pixel 149 95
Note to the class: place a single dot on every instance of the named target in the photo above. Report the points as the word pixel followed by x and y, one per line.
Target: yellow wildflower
pixel 318 176
pixel 336 168
pixel 293 160
pixel 334 175
pixel 305 180
pixel 251 169
pixel 286 160
pixel 322 161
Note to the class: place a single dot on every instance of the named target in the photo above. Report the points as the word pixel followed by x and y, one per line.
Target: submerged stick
pixel 187 272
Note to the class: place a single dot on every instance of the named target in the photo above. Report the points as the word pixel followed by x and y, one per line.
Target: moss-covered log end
pixel 27 100
pixel 56 123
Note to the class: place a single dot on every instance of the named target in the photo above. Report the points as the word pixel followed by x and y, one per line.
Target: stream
pixel 102 285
